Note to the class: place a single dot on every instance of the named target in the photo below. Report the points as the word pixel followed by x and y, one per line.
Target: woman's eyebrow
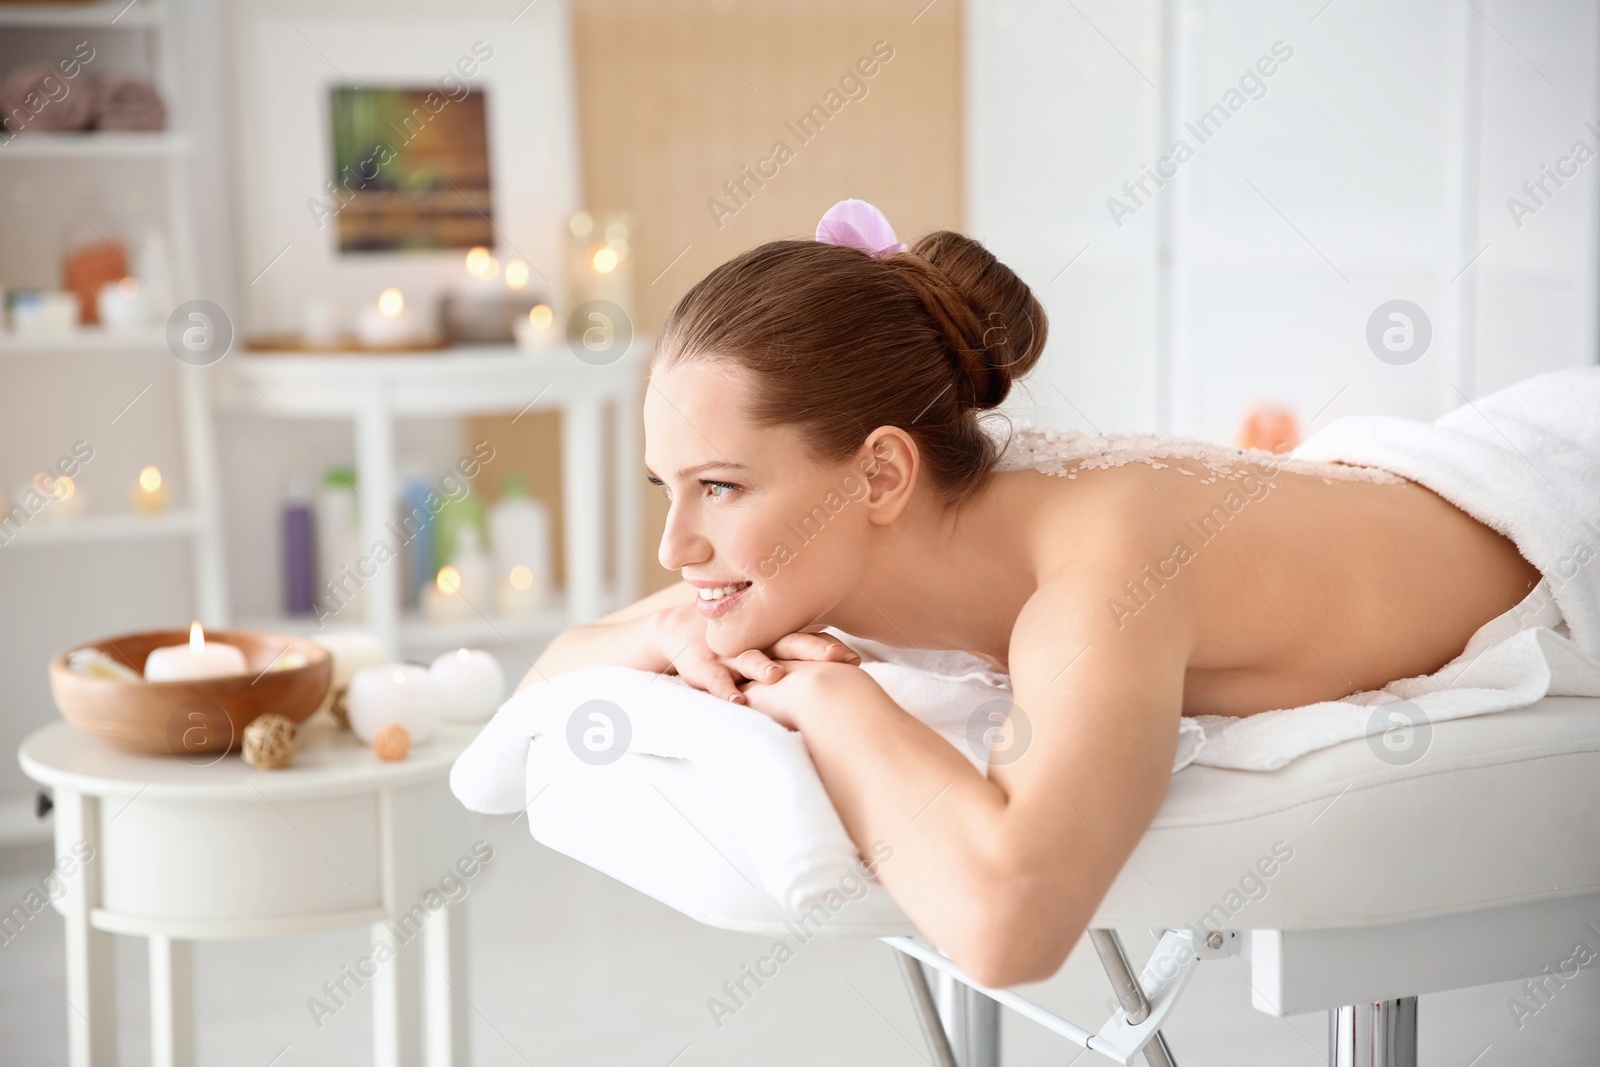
pixel 690 472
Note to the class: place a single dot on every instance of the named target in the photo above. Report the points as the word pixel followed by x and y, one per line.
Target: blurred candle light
pixel 388 324
pixel 61 493
pixel 606 259
pixel 149 491
pixel 442 600
pixel 516 274
pixel 477 259
pixel 533 331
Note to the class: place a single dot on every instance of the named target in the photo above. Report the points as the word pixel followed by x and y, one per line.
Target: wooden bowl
pixel 203 715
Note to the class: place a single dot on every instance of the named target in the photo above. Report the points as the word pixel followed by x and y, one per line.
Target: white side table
pixel 185 849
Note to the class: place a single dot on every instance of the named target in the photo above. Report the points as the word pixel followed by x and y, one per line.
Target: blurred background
pixel 282 269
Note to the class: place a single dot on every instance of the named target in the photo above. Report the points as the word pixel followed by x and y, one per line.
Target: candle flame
pixel 391 302
pixel 521 576
pixel 477 259
pixel 150 479
pixel 516 274
pixel 606 259
pixel 541 316
pixel 197 638
pixel 449 579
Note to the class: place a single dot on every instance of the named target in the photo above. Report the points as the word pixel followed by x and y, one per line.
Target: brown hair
pixel 840 343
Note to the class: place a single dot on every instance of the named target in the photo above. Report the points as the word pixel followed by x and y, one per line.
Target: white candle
pixel 388 323
pixel 393 692
pixel 535 331
pixel 197 659
pixel 352 651
pixel 149 494
pixel 123 306
pixel 471 684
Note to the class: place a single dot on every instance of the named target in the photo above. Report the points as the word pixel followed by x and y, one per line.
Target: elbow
pixel 1008 941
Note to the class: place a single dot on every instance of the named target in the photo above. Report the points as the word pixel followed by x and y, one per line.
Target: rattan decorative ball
pixel 391 741
pixel 270 742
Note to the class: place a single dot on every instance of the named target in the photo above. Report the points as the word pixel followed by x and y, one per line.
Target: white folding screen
pixel 1335 157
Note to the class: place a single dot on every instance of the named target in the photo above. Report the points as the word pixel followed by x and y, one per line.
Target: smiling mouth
pixel 722 592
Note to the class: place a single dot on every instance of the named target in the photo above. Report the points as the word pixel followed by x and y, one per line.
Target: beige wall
pixel 674 99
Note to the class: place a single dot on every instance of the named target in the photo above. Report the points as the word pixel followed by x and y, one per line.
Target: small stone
pixel 391 742
pixel 270 742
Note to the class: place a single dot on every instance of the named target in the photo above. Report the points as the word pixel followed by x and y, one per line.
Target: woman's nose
pixel 680 546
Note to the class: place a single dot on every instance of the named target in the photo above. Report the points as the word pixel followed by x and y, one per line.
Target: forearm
pixel 895 781
pixel 629 643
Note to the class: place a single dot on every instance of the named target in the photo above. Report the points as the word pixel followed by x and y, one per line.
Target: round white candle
pixel 471 684
pixel 352 650
pixel 394 692
pixel 197 659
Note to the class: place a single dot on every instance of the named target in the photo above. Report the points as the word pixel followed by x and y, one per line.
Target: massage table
pixel 1472 858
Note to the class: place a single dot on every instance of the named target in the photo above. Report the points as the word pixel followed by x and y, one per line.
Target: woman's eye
pixel 720 485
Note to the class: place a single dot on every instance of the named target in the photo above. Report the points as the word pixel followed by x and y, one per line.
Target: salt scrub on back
pixel 1065 452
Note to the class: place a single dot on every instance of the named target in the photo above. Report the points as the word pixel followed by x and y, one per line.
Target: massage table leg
pixel 1379 1034
pixel 927 1013
pixel 971 1019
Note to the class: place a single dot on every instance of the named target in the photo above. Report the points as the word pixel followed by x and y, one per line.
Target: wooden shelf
pixel 94 144
pixel 96 528
pixel 119 13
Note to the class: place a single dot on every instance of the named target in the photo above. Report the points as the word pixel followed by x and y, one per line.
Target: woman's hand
pixel 680 638
pixel 805 687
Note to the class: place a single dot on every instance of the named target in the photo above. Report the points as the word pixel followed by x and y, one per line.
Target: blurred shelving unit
pixel 374 392
pixel 197 520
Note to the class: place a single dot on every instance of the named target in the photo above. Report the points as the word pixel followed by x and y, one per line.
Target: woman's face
pixel 749 508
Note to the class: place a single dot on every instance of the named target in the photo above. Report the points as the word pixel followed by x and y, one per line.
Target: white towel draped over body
pixel 1525 461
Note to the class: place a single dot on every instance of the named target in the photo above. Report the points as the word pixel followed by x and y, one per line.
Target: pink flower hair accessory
pixel 858 224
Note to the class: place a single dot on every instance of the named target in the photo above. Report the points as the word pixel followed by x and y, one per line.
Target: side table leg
pixel 91 954
pixel 171 1002
pixel 396 1022
pixel 444 976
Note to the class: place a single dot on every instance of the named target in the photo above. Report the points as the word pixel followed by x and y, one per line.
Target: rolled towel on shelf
pixel 35 98
pixel 129 104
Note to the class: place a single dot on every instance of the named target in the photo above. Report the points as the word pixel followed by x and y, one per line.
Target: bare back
pixel 1298 588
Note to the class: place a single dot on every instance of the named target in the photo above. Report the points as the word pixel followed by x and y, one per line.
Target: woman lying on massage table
pixel 812 417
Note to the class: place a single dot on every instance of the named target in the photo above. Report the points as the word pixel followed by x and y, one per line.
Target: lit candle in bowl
pixel 403 693
pixel 197 659
pixel 388 323
pixel 149 494
pixel 471 684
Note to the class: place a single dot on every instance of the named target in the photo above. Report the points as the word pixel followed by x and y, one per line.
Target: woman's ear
pixel 889 463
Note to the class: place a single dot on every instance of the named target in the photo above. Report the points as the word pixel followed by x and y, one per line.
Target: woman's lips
pixel 715 609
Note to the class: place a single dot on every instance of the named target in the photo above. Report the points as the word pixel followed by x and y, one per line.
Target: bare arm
pixel 625 638
pixel 664 633
pixel 1004 872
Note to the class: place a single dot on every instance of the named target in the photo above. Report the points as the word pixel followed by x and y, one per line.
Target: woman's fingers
pixel 708 673
pixel 814 647
pixel 756 666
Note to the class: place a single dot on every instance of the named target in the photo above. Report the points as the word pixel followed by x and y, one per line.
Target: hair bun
pixel 991 321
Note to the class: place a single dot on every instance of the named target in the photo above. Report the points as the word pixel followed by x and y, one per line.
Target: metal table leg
pixel 1379 1034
